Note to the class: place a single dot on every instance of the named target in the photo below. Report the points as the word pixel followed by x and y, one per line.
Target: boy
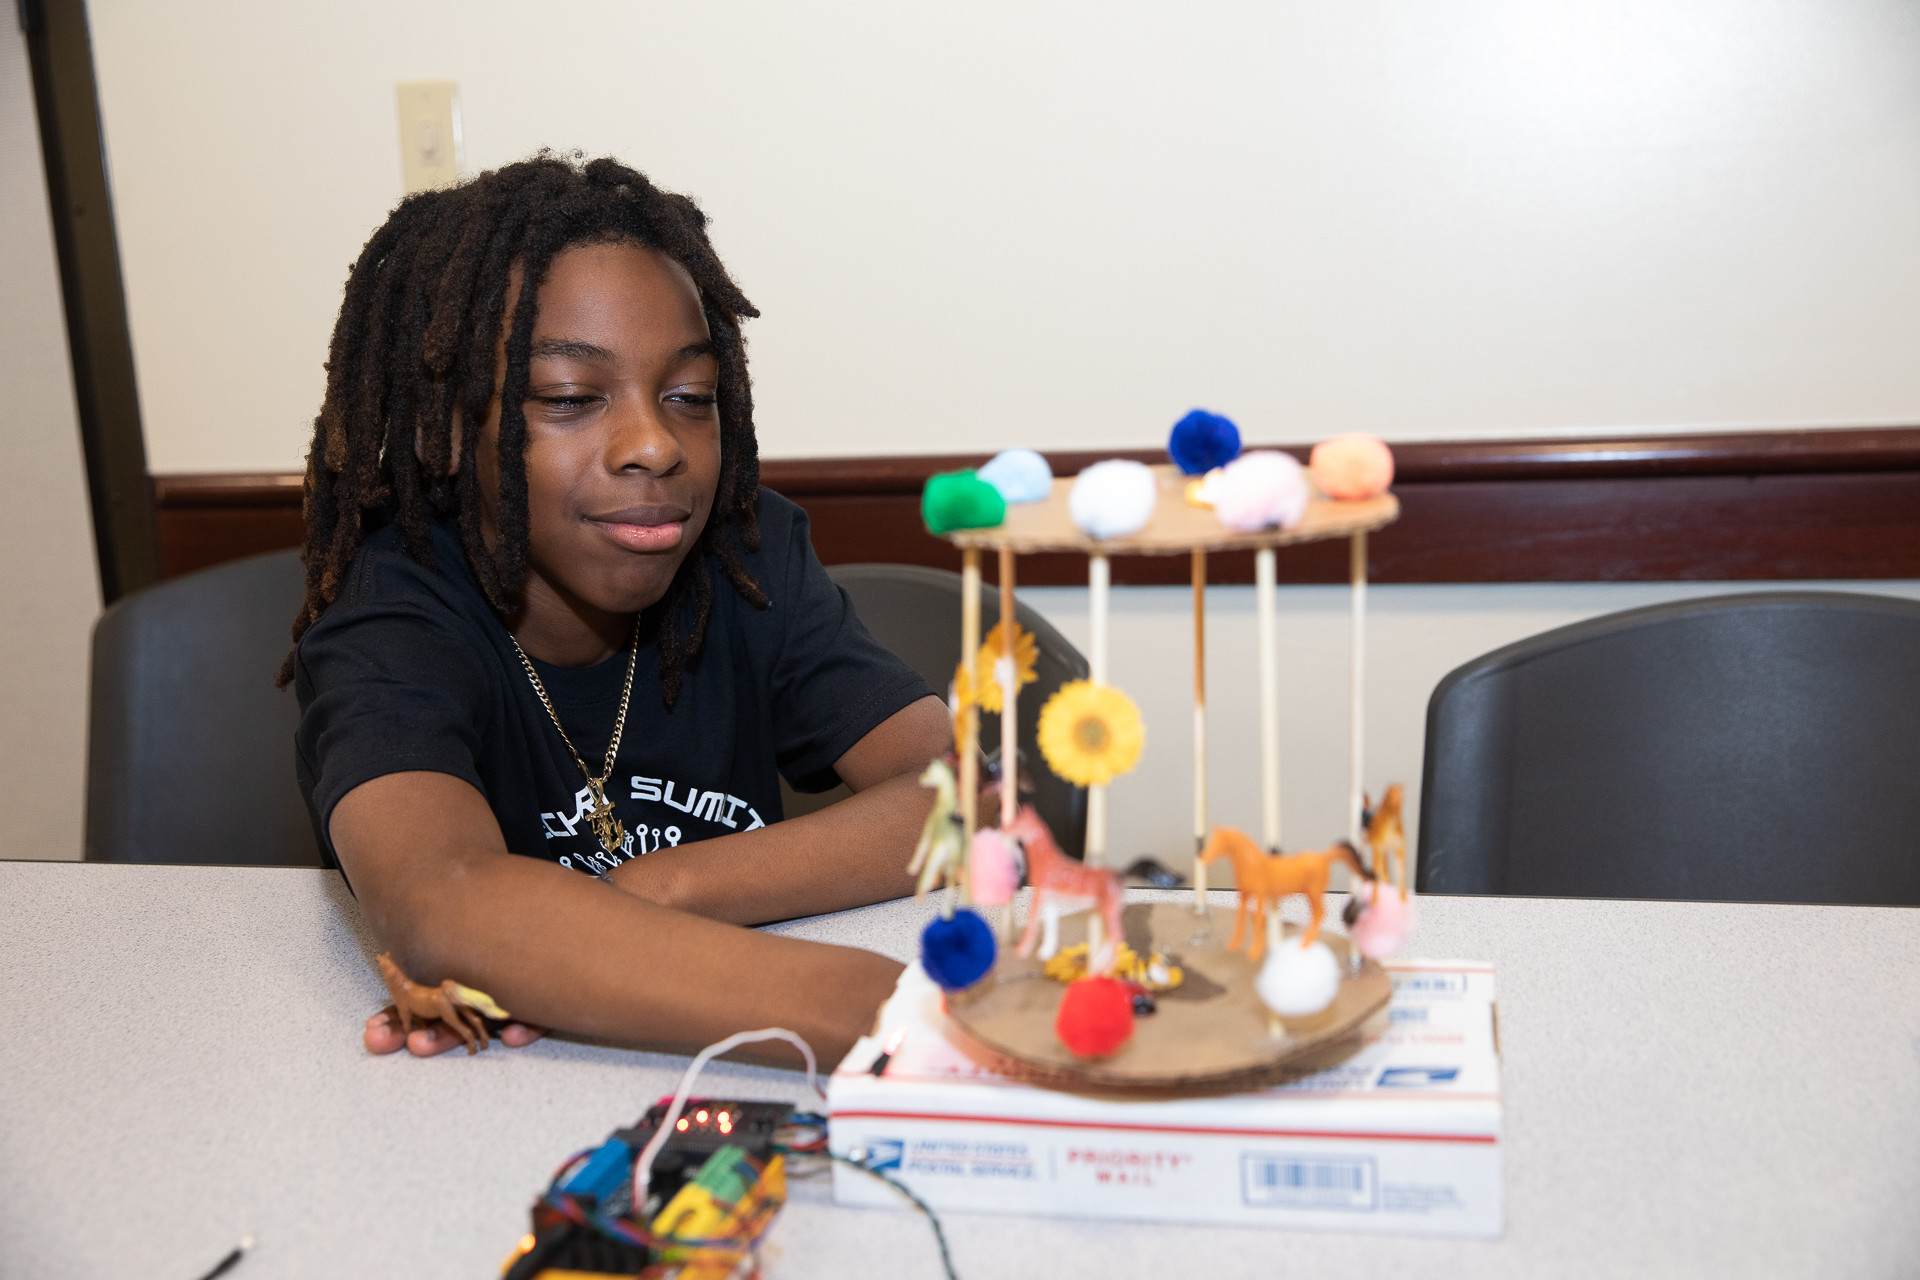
pixel 553 625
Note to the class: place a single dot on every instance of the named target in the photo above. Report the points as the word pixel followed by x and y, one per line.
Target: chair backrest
pixel 915 612
pixel 190 752
pixel 1746 748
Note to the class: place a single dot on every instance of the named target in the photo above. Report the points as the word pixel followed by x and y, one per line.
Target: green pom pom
pixel 960 500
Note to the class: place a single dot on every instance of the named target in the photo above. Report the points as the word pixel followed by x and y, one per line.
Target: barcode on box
pixel 1307 1182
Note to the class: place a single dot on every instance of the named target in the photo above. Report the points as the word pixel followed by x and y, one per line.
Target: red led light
pixel 700 1117
pixel 725 1118
pixel 682 1126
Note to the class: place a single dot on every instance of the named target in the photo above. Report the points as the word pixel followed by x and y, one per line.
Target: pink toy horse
pixel 1061 885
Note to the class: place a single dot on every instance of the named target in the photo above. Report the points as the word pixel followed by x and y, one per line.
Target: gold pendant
pixel 607 829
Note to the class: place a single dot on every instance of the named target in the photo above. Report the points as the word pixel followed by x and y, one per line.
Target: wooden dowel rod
pixel 1009 699
pixel 1357 693
pixel 1265 598
pixel 1099 580
pixel 969 646
pixel 1199 727
pixel 968 749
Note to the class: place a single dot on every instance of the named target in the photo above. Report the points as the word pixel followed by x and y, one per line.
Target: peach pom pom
pixel 995 869
pixel 1349 467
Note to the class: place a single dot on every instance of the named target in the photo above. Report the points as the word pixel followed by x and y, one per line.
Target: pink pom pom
pixel 1261 490
pixel 1348 467
pixel 994 867
pixel 1385 922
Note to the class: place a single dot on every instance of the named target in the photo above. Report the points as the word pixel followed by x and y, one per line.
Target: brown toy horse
pixel 457 1006
pixel 1061 885
pixel 1264 879
pixel 1387 837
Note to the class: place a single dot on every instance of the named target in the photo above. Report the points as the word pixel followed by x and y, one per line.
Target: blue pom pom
pixel 1202 441
pixel 1021 475
pixel 957 953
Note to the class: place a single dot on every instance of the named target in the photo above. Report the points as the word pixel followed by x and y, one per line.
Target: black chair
pixel 190 749
pixel 1746 748
pixel 915 612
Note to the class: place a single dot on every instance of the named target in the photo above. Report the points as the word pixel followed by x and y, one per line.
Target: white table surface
pixel 1690 1090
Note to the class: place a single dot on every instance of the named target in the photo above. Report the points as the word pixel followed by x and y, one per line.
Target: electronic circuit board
pixel 713 1190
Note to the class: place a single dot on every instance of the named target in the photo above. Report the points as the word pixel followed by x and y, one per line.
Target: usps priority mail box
pixel 1403 1136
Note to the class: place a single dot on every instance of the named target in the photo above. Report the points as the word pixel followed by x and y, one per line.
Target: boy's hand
pixel 383 1035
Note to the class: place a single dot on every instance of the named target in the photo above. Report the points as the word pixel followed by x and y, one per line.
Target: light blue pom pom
pixel 1021 475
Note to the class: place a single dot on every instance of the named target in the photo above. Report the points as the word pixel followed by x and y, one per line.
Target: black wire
pixel 946 1259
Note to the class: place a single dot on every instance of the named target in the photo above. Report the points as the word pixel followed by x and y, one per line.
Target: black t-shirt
pixel 410 669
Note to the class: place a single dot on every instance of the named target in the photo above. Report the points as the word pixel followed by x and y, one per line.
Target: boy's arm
pixel 558 949
pixel 846 855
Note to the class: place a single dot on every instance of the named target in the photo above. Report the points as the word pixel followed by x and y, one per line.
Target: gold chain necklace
pixel 606 828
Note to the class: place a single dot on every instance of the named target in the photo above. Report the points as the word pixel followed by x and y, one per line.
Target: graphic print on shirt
pixel 715 807
pixel 711 806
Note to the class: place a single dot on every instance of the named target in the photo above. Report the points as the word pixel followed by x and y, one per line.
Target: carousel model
pixel 1149 995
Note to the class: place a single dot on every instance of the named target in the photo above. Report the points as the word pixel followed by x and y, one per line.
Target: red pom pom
pixel 1096 1017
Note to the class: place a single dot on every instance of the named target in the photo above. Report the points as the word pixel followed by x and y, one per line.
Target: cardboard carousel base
pixel 1211 1032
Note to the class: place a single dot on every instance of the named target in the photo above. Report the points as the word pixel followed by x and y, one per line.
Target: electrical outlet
pixel 430 144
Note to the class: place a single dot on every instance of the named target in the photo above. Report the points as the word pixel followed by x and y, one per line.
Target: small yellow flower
pixel 1069 964
pixel 1026 655
pixel 960 703
pixel 1090 733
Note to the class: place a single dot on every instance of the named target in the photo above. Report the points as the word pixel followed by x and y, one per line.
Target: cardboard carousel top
pixel 1176 527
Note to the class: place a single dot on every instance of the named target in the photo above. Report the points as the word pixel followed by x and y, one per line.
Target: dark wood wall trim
pixel 1750 506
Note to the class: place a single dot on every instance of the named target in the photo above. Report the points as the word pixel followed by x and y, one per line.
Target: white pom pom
pixel 1296 981
pixel 1114 498
pixel 1021 475
pixel 1261 490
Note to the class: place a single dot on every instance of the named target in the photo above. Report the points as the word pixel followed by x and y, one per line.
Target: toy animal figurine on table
pixel 1061 885
pixel 942 850
pixel 461 1008
pixel 1263 879
pixel 1379 920
pixel 1387 837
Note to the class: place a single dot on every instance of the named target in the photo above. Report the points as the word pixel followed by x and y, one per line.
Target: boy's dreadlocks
pixel 423 310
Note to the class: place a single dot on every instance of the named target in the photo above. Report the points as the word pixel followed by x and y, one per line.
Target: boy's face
pixel 623 434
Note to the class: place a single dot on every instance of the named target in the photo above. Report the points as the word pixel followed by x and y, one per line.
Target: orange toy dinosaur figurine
pixel 1387 837
pixel 1060 885
pixel 449 1002
pixel 1264 879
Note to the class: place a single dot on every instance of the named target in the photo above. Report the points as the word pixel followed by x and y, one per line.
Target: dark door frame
pixel 60 54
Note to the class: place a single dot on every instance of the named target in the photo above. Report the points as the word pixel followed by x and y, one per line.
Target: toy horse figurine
pixel 1387 837
pixel 1264 879
pixel 449 1002
pixel 1378 921
pixel 1061 885
pixel 942 850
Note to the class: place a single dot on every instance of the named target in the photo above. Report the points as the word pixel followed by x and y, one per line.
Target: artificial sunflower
pixel 1090 733
pixel 1026 655
pixel 960 704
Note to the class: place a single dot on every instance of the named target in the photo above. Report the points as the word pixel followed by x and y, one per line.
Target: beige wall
pixel 1063 224
pixel 47 572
